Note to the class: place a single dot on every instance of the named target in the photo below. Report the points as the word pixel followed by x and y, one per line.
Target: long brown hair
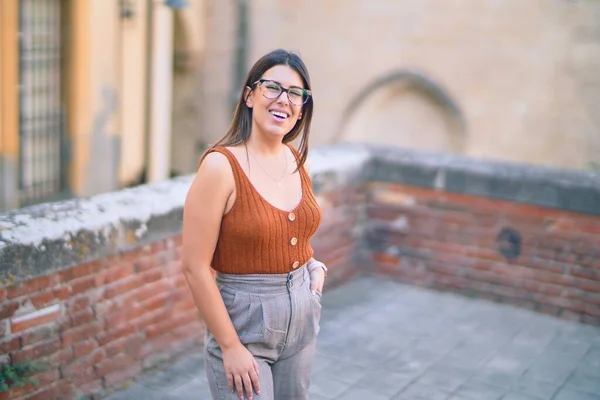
pixel 241 125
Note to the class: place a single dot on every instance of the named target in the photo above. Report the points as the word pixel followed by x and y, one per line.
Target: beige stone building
pixel 111 93
pixel 511 80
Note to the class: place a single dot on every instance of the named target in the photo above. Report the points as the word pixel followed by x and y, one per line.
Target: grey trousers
pixel 277 319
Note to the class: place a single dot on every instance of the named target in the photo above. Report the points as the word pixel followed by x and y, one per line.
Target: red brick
pixel 147 291
pixel 58 390
pixel 50 297
pixel 59 358
pixel 78 304
pixel 35 318
pixel 37 350
pixel 2 294
pixel 194 329
pixel 445 268
pixel 10 344
pixel 129 345
pixel 120 318
pixel 145 264
pixel 152 318
pixel 81 270
pixel 123 286
pixel 113 364
pixel 47 377
pixel 451 281
pixel 169 325
pixel 83 284
pixel 160 300
pixel 7 309
pixel 593 310
pixel 81 333
pixel 84 364
pixel 516 271
pixel 188 304
pixel 585 272
pixel 32 286
pixel 81 318
pixel 558 279
pixel 112 334
pixel 117 272
pixel 37 334
pixel 82 375
pixel 545 265
pixel 589 286
pixel 84 348
pixel 152 275
pixel 122 375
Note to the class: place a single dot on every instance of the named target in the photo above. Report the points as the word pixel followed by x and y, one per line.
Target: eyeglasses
pixel 272 90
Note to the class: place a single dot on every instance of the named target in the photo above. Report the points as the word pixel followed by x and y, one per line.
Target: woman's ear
pixel 248 97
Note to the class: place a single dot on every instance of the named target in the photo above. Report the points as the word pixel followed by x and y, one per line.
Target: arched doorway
pixel 406 109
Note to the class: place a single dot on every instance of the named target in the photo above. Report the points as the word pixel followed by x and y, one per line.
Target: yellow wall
pixel 133 93
pixel 78 91
pixel 9 78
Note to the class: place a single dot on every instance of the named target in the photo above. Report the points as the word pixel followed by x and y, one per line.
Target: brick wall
pixel 100 323
pixel 529 256
pixel 92 287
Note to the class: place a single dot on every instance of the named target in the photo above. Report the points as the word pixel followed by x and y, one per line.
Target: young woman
pixel 250 214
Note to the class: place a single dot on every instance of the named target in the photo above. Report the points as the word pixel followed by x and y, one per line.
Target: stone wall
pixel 523 73
pixel 92 287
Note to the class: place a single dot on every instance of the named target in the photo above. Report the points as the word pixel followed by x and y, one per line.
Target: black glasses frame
pixel 307 93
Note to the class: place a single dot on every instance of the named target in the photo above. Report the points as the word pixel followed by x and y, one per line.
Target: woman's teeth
pixel 279 114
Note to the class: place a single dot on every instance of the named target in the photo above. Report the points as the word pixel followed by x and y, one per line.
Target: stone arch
pixel 405 108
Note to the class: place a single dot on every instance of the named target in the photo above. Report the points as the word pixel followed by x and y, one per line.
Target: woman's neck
pixel 257 144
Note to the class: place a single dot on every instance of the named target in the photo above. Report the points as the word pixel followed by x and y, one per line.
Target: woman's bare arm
pixel 202 213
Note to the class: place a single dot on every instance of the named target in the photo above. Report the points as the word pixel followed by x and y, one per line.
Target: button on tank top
pixel 259 238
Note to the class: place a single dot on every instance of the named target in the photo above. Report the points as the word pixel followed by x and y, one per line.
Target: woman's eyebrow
pixel 282 85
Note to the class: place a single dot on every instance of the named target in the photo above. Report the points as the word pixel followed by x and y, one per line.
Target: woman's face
pixel 274 113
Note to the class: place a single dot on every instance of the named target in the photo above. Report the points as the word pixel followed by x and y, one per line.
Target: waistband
pixel 264 283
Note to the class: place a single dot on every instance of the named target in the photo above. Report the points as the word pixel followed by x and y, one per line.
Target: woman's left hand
pixel 317 279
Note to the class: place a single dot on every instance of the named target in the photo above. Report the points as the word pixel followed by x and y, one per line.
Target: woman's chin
pixel 276 131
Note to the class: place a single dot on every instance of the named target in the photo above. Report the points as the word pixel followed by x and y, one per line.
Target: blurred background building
pixel 97 95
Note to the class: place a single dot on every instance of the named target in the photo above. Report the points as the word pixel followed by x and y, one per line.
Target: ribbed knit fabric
pixel 258 238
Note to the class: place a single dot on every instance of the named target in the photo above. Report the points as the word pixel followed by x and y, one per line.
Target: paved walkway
pixel 382 340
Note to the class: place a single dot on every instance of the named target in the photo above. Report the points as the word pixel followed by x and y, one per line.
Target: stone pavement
pixel 382 340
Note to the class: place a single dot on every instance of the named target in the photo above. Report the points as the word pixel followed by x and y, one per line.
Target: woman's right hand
pixel 242 371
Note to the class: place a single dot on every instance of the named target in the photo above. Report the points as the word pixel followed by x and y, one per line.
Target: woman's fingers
pixel 317 280
pixel 248 385
pixel 255 382
pixel 239 386
pixel 254 377
pixel 230 382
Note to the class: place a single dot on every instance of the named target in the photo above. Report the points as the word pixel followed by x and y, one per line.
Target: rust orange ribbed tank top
pixel 258 238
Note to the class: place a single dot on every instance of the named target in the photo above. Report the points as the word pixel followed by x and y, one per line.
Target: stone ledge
pixel 38 240
pixel 529 184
